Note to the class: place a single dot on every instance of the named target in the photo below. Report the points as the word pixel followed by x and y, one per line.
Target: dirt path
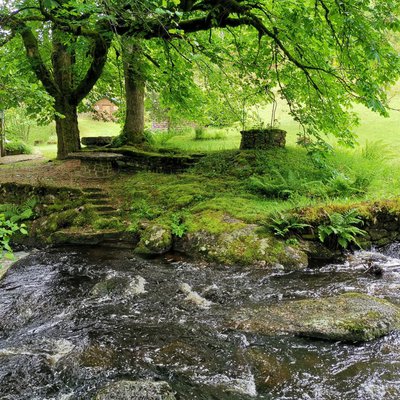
pixel 39 171
pixel 19 158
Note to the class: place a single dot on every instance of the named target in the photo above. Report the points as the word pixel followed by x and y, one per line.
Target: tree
pixel 78 51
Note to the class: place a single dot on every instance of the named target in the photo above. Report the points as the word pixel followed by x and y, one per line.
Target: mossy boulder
pixel 154 239
pixel 350 317
pixel 138 390
pixel 244 244
pixel 42 228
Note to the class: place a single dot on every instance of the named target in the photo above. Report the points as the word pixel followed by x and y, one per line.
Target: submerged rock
pixel 350 317
pixel 138 390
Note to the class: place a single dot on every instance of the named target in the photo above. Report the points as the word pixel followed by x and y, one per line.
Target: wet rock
pixel 193 297
pixel 138 390
pixel 351 317
pixel 110 286
pixel 119 286
pixel 269 371
pixel 155 239
pixel 98 357
pixel 318 254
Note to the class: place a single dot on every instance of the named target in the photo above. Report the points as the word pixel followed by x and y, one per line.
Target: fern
pixel 341 230
pixel 283 225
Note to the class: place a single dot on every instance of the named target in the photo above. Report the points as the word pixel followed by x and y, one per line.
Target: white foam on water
pixel 193 297
pixel 137 286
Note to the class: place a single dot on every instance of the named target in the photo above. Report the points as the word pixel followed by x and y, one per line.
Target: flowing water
pixel 72 320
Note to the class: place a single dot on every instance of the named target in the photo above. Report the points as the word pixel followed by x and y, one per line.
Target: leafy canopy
pixel 321 56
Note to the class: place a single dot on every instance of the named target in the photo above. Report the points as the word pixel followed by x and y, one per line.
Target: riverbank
pixel 270 209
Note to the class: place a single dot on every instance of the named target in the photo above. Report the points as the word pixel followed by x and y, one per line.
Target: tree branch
pixel 35 59
pixel 99 57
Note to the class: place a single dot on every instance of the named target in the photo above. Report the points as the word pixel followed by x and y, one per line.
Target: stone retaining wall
pixel 16 193
pixel 262 139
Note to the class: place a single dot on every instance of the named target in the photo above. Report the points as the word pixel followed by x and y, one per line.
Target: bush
pixel 17 147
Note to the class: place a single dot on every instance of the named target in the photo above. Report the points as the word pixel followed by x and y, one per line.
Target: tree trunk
pixel 67 128
pixel 133 129
pixel 67 122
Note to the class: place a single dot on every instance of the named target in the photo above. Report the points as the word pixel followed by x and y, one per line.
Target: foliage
pixel 18 124
pixel 341 230
pixel 214 60
pixel 283 225
pixel 178 227
pixel 8 229
pixel 17 147
pixel 11 217
pixel 16 213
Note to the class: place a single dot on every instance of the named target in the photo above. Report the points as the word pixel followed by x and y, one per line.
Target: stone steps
pixel 100 201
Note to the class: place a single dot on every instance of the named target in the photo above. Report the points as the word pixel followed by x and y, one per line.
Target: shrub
pixel 199 133
pixel 8 229
pixel 17 147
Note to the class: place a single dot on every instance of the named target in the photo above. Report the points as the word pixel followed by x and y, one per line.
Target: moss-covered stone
pixel 44 227
pixel 269 371
pixel 241 244
pixel 154 239
pixel 351 317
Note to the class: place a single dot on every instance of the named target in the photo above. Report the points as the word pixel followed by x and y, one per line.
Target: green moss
pixel 154 239
pixel 108 223
pixel 77 217
pixel 214 222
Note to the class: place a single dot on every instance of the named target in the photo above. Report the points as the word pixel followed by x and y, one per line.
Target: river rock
pixel 137 390
pixel 154 239
pixel 350 317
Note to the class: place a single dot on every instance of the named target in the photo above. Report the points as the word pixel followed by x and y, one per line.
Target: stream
pixel 74 319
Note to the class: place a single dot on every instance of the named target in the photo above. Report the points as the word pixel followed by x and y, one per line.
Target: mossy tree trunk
pixel 65 105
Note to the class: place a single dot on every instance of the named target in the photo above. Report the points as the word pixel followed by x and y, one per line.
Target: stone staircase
pixel 100 202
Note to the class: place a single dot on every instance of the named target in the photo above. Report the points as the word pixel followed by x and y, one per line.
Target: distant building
pixel 105 106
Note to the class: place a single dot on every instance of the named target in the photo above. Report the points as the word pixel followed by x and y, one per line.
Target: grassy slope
pixel 223 182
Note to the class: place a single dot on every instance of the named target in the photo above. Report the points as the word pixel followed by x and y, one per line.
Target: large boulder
pixel 138 390
pixel 243 244
pixel 350 317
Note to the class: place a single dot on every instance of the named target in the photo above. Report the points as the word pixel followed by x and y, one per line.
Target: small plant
pixel 8 229
pixel 283 225
pixel 16 213
pixel 341 230
pixel 377 151
pixel 178 227
pixel 277 187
